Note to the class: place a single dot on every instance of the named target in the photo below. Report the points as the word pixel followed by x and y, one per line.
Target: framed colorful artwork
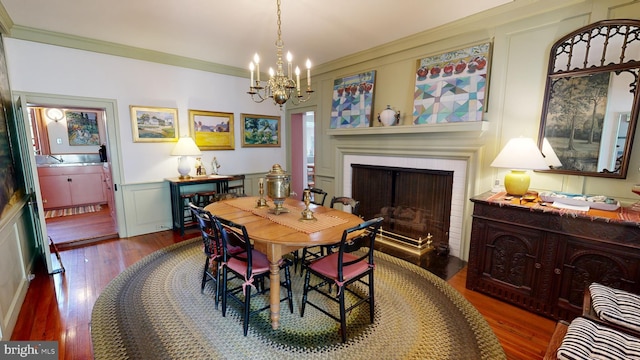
pixel 82 128
pixel 212 130
pixel 452 87
pixel 352 101
pixel 260 130
pixel 154 124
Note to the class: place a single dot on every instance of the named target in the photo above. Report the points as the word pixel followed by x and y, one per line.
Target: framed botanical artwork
pixel 352 101
pixel 260 130
pixel 453 86
pixel 154 124
pixel 82 128
pixel 212 130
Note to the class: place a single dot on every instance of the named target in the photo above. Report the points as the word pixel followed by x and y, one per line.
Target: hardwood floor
pixel 76 230
pixel 58 307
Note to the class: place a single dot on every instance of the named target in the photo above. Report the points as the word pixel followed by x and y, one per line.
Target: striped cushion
pixel 586 339
pixel 616 306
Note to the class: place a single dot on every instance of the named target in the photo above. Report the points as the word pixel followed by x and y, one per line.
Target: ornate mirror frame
pixel 591 100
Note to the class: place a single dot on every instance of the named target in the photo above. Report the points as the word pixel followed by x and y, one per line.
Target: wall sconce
pixel 184 148
pixel 519 155
pixel 54 114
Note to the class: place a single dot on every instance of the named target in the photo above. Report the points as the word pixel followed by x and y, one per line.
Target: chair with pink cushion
pixel 242 271
pixel 352 263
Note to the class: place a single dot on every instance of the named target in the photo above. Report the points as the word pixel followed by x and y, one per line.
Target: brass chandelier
pixel 280 87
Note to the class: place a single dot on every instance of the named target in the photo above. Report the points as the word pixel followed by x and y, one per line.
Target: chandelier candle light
pixel 280 87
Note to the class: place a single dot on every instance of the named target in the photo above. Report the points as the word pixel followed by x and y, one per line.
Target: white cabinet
pixel 70 186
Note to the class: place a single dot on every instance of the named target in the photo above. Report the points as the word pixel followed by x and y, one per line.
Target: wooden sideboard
pixel 541 258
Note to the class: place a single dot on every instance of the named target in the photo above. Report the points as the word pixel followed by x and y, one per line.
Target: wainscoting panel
pixel 16 261
pixel 147 208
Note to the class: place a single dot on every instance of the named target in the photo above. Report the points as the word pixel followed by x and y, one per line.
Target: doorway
pixel 303 151
pixel 71 147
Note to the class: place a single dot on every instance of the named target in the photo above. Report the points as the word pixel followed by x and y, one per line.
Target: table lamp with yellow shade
pixel 519 155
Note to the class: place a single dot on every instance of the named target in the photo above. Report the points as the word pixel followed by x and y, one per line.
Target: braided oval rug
pixel 155 310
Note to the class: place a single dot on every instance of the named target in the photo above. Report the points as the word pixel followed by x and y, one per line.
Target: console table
pixel 221 183
pixel 542 258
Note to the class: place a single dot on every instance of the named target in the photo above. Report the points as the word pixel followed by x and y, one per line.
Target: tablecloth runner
pixel 290 219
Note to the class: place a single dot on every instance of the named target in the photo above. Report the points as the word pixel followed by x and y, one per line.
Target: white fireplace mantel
pixel 477 126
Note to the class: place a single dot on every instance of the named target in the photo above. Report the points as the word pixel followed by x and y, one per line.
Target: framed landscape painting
pixel 212 130
pixel 154 124
pixel 260 130
pixel 453 86
pixel 352 101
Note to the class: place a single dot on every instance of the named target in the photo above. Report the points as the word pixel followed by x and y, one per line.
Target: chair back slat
pixel 346 201
pixel 366 239
pixel 208 231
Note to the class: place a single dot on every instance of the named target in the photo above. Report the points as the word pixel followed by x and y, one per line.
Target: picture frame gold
pixel 212 130
pixel 260 130
pixel 154 124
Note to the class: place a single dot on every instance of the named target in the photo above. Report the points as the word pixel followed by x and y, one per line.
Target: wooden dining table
pixel 278 235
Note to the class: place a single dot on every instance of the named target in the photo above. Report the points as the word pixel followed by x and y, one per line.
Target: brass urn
pixel 278 188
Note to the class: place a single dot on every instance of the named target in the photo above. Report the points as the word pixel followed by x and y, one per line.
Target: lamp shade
pixel 550 155
pixel 186 147
pixel 519 155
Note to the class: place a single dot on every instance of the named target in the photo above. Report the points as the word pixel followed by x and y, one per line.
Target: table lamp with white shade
pixel 184 148
pixel 519 155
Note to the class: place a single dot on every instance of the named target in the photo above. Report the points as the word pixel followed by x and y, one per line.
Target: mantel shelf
pixel 412 129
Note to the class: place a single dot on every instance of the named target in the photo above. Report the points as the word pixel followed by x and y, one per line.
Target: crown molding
pixel 110 48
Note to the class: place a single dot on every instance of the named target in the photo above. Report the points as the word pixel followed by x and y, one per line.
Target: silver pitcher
pixel 278 188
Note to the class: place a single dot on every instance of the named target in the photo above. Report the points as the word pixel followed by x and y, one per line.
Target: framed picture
pixel 260 130
pixel 452 87
pixel 154 124
pixel 352 101
pixel 212 130
pixel 82 128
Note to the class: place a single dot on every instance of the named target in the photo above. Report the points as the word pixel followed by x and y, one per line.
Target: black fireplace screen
pixel 413 202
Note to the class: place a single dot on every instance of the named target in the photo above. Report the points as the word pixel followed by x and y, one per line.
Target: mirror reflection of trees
pixel 591 101
pixel 575 117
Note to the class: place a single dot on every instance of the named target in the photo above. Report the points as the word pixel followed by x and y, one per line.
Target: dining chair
pixel 240 270
pixel 344 268
pixel 318 251
pixel 212 248
pixel 318 196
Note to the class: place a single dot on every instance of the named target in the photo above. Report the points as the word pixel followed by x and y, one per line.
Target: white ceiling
pixel 230 32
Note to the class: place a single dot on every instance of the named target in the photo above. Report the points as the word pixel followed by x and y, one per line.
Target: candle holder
pixel 307 214
pixel 262 202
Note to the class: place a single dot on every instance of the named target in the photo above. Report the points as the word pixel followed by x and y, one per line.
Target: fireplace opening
pixel 414 203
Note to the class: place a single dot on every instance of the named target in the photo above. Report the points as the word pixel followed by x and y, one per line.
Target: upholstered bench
pixel 615 306
pixel 587 339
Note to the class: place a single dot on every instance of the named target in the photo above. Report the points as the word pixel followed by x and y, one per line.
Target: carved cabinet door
pixel 582 262
pixel 509 260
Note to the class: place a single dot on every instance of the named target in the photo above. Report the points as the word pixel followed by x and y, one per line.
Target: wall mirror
pixel 591 100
